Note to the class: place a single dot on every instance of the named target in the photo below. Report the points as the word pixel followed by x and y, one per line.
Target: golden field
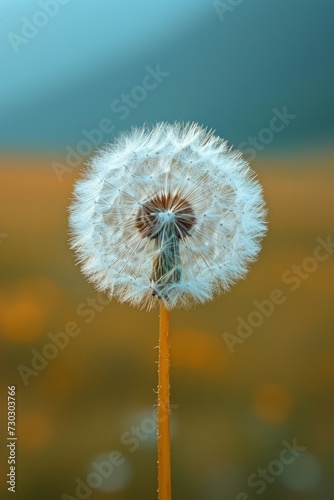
pixel 236 398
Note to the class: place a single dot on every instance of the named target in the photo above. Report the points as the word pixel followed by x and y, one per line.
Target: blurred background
pixel 74 75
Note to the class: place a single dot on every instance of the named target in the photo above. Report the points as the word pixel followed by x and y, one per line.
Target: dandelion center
pixel 168 213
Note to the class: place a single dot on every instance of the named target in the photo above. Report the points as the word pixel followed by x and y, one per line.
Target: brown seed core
pixel 153 215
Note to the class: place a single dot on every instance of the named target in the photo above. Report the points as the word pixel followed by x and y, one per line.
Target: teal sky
pixel 227 71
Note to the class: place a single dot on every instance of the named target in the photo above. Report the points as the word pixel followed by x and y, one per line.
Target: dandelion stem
pixel 164 475
pixel 167 264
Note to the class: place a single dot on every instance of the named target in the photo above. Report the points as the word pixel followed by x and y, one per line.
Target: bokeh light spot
pixel 199 351
pixel 21 319
pixel 25 306
pixel 42 290
pixel 304 474
pixel 60 384
pixel 109 472
pixel 35 431
pixel 272 402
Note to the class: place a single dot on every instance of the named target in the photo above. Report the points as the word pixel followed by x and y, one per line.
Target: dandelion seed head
pixel 169 213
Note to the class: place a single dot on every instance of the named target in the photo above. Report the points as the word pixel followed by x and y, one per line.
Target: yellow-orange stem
pixel 164 475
